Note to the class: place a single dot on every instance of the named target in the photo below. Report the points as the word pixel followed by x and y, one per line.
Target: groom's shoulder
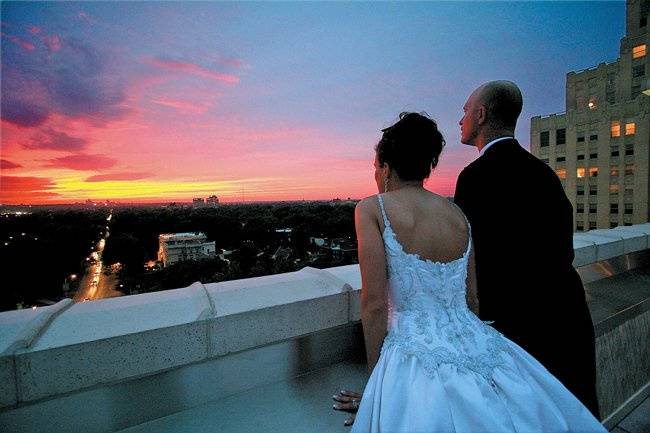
pixel 471 168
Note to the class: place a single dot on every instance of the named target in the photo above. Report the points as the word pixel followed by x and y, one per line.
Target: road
pixel 96 284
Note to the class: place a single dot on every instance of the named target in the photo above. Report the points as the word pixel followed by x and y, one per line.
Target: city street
pixel 98 282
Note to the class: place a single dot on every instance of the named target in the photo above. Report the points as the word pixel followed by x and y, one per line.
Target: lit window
pixel 580 172
pixel 616 129
pixel 638 51
pixel 613 171
pixel 593 171
pixel 561 173
pixel 630 128
pixel 613 189
pixel 592 105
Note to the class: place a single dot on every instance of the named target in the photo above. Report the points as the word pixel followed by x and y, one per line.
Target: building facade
pixel 198 202
pixel 599 147
pixel 177 247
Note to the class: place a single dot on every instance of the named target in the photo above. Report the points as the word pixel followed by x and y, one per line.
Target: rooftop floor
pixel 302 404
pixel 637 421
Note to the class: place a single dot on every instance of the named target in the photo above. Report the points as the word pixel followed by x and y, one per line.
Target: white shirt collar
pixel 482 151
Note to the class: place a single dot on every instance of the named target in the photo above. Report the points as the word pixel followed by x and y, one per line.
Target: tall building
pixel 198 202
pixel 212 201
pixel 599 146
pixel 177 247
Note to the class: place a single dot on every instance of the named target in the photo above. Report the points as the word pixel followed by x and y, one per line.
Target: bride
pixel 436 367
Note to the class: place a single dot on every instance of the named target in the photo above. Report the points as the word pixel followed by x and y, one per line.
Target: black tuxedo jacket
pixel 522 227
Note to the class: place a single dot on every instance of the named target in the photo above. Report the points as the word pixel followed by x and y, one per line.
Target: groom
pixel 522 226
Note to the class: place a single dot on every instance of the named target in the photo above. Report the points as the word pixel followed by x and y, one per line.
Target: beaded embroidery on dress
pixel 441 369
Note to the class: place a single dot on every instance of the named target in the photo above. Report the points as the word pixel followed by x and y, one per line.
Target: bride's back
pixel 426 224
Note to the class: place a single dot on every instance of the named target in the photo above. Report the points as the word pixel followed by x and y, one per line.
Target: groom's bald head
pixel 502 101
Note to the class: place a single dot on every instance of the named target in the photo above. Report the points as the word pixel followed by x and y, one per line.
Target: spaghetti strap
pixel 383 211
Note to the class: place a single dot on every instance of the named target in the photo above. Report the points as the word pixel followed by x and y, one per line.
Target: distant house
pixel 333 249
pixel 177 247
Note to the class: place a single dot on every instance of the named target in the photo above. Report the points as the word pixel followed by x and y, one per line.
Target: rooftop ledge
pixel 57 351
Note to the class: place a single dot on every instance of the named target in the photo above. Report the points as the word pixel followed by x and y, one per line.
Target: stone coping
pixel 53 350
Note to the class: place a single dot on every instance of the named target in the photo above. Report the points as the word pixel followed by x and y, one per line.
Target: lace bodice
pixel 428 316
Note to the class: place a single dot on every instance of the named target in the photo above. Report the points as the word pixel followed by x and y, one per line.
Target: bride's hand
pixel 348 401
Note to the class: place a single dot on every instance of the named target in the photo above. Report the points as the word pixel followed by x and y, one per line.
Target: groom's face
pixel 468 123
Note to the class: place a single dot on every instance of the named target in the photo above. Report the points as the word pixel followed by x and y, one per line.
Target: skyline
pixel 153 102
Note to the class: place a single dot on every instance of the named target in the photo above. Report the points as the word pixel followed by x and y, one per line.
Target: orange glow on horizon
pixel 74 189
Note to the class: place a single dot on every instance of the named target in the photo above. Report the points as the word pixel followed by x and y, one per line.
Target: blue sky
pixel 285 99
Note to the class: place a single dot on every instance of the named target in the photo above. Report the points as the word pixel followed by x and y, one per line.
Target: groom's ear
pixel 482 115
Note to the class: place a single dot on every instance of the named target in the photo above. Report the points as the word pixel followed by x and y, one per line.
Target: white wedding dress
pixel 441 369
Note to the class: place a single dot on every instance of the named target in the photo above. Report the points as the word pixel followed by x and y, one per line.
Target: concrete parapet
pixel 257 311
pixel 606 246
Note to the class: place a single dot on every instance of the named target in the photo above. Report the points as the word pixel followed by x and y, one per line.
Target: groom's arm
pixel 472 292
pixel 462 191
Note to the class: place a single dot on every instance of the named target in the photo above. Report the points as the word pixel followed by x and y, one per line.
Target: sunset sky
pixel 154 102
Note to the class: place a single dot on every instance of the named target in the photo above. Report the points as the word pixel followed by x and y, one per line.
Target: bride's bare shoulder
pixel 367 204
pixel 368 209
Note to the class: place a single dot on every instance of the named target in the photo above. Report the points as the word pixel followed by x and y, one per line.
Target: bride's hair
pixel 411 146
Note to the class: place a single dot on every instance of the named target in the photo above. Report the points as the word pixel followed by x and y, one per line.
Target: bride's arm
pixel 372 263
pixel 472 297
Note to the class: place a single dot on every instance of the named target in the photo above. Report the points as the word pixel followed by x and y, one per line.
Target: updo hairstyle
pixel 411 146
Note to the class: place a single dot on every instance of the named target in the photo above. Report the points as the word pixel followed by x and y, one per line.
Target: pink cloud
pixel 8 165
pixel 192 69
pixel 55 140
pixel 34 30
pixel 180 105
pixel 118 176
pixel 82 162
pixel 25 45
pixel 25 189
pixel 52 42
